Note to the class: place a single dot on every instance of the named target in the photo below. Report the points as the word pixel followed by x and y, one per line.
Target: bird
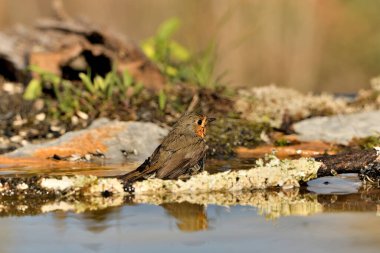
pixel 182 152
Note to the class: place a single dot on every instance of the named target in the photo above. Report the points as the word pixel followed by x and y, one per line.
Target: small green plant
pixel 33 90
pixel 35 86
pixel 163 50
pixel 65 92
pixel 72 96
pixel 162 100
pixel 176 61
pixel 106 87
pixel 203 68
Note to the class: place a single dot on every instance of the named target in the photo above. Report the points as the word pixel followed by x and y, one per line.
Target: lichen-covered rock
pixel 266 174
pixel 83 185
pixel 270 104
pixel 275 173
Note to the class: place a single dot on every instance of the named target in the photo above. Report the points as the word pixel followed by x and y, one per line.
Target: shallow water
pixel 328 215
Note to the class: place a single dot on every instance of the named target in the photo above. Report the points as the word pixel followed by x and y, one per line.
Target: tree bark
pixel 364 162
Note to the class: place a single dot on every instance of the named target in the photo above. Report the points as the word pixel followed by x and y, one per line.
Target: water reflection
pixel 99 220
pixel 189 217
pixel 363 201
pixel 189 209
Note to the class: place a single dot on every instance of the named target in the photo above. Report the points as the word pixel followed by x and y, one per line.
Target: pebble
pixel 41 116
pixel 24 143
pixel 82 115
pixel 22 186
pixel 34 131
pixel 23 133
pixel 39 104
pixel 74 120
pixel 22 208
pixel 12 88
pixel 16 138
pixel 4 140
pixel 75 157
pixel 55 128
pixel 19 121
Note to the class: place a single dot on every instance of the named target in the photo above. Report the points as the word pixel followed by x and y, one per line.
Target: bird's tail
pixel 136 174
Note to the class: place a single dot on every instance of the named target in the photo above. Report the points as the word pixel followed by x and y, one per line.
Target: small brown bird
pixel 181 153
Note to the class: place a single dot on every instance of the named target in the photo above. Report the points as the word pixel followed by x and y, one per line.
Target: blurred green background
pixel 310 45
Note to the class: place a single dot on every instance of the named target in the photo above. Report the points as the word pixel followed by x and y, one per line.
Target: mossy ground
pixel 369 142
pixel 225 134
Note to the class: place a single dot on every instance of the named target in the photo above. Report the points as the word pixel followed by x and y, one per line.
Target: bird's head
pixel 193 123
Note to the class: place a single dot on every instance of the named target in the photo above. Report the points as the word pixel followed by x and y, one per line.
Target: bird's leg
pixel 184 177
pixel 149 176
pixel 128 187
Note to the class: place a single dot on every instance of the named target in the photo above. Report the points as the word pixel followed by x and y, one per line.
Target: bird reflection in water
pixel 189 217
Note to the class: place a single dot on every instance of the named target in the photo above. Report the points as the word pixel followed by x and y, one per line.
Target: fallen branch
pixel 364 162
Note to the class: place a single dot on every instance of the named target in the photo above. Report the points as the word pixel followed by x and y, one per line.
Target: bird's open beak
pixel 209 120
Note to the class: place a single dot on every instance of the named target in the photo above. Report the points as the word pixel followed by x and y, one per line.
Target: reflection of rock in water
pixel 272 204
pixel 190 217
pixel 189 209
pixel 277 204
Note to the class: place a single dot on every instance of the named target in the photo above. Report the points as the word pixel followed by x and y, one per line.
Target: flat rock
pixel 114 139
pixel 339 128
pixel 340 184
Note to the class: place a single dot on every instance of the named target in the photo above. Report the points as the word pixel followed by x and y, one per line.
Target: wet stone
pixel 340 184
pixel 104 138
pixel 339 129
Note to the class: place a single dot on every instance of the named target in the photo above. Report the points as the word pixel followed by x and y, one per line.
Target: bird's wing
pixel 181 160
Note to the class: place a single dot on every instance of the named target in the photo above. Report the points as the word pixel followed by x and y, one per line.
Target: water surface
pixel 328 215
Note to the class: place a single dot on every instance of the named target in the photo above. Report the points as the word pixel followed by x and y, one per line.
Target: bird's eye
pixel 199 122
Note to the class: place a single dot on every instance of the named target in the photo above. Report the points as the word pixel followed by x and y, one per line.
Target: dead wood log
pixel 67 46
pixel 364 162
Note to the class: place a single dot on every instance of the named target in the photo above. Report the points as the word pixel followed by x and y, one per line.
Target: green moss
pixel 225 134
pixel 281 143
pixel 368 142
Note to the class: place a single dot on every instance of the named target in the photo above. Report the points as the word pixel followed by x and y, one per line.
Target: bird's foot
pixel 128 187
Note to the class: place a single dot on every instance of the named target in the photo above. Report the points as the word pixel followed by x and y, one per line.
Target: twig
pixel 193 103
pixel 59 10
